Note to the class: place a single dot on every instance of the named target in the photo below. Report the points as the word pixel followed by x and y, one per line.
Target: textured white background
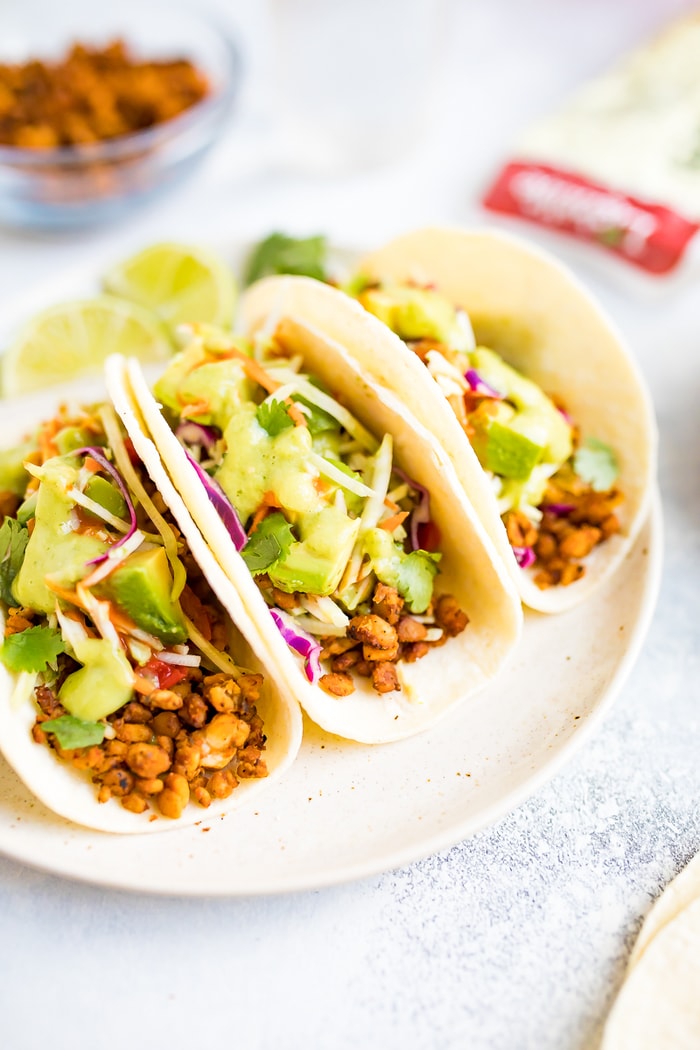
pixel 518 937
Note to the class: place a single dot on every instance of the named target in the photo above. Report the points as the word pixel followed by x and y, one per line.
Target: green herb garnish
pixel 74 732
pixel 278 253
pixel 13 543
pixel 270 541
pixel 31 650
pixel 416 574
pixel 596 463
pixel 273 416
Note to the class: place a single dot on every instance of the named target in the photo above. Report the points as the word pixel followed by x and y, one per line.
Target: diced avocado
pixel 107 495
pixel 540 419
pixel 142 588
pixel 415 313
pixel 196 377
pixel 103 685
pixel 54 549
pixel 222 385
pixel 256 463
pixel 384 554
pixel 510 454
pixel 13 476
pixel 167 387
pixel 70 438
pixel 315 563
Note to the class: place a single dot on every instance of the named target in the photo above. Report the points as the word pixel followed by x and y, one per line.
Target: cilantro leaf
pixel 278 253
pixel 416 573
pixel 273 416
pixel 13 543
pixel 270 541
pixel 31 650
pixel 74 732
pixel 596 463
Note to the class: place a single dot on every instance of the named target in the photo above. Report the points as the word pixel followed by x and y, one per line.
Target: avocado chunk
pixel 315 563
pixel 142 588
pixel 68 439
pixel 107 495
pixel 216 386
pixel 54 549
pixel 537 416
pixel 415 313
pixel 13 476
pixel 103 685
pixel 510 454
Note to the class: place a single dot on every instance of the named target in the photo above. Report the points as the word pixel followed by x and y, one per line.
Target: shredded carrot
pixel 269 502
pixel 61 592
pixel 394 521
pixel 195 408
pixel 295 413
pixel 92 465
pixel 389 504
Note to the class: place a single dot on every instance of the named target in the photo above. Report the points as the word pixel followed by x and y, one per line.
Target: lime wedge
pixel 75 338
pixel 179 283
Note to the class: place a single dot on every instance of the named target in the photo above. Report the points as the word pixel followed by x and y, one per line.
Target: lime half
pixel 179 283
pixel 73 339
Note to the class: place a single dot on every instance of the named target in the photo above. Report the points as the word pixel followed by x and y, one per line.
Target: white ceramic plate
pixel 347 810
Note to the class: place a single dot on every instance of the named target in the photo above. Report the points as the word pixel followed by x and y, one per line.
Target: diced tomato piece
pixel 429 536
pixel 168 675
pixel 131 452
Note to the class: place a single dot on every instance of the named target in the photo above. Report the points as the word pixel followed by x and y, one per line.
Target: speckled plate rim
pixel 78 867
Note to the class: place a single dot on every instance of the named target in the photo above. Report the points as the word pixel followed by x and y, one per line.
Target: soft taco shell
pixel 526 306
pixel 470 570
pixel 58 785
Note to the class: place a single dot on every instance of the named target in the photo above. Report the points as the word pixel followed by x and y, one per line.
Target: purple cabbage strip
pixel 559 510
pixel 420 515
pixel 525 556
pixel 479 385
pixel 191 433
pixel 221 504
pixel 301 643
pixel 98 455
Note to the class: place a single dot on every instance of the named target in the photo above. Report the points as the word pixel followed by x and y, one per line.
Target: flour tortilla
pixel 63 789
pixel 470 569
pixel 658 1007
pixel 683 891
pixel 526 306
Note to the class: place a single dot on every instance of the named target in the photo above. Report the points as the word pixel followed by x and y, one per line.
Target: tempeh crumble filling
pixel 113 629
pixel 340 541
pixel 555 489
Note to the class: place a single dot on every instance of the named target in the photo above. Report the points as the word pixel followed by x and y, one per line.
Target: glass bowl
pixel 72 186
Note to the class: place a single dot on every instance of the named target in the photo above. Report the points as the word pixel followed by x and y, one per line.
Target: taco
pixel 128 700
pixel 340 521
pixel 540 408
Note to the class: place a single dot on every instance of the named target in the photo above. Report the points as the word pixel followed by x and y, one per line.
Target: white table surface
pixel 518 937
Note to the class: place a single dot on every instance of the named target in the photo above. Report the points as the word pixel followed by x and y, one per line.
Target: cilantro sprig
pixel 32 650
pixel 278 253
pixel 270 541
pixel 74 732
pixel 596 463
pixel 416 573
pixel 273 416
pixel 13 543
